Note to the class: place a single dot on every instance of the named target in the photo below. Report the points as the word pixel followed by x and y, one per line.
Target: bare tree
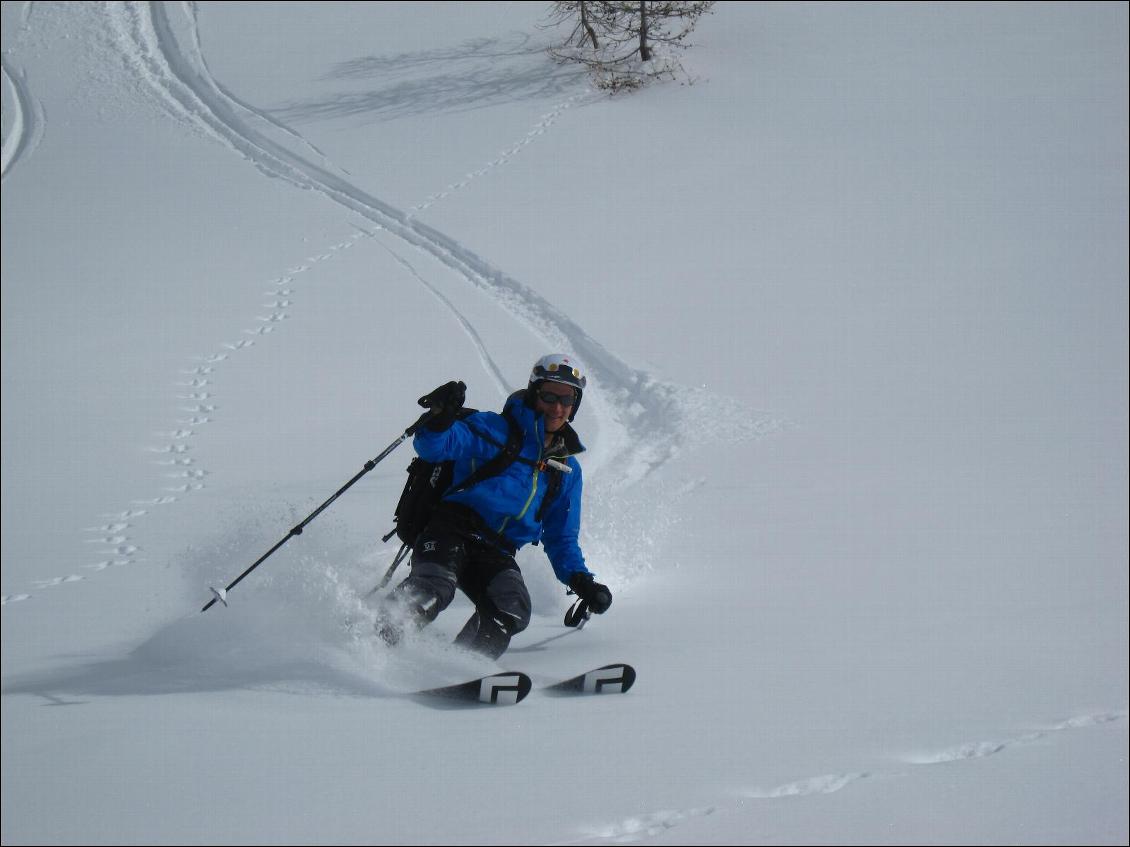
pixel 623 43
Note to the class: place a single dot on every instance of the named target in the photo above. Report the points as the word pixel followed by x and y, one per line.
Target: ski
pixel 500 689
pixel 510 687
pixel 609 679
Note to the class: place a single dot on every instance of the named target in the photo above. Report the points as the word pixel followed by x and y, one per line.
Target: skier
pixel 473 534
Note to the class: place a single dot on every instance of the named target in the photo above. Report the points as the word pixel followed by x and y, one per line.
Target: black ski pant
pixel 445 559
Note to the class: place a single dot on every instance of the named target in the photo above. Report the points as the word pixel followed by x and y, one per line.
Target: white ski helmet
pixel 557 367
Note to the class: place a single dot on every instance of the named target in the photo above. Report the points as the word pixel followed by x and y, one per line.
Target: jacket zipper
pixel 533 488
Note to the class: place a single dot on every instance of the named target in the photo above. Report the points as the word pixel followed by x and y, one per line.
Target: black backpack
pixel 428 481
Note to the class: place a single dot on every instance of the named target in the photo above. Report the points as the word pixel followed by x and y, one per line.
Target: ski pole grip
pixel 423 419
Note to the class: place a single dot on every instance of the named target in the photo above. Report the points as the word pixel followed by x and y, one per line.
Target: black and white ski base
pixel 510 687
pixel 610 679
pixel 500 689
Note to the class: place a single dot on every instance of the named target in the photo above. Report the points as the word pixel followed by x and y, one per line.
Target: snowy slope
pixel 853 306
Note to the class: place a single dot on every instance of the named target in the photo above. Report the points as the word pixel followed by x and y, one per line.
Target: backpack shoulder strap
pixel 553 488
pixel 506 456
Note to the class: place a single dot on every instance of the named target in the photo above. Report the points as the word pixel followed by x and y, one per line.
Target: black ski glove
pixel 596 595
pixel 445 402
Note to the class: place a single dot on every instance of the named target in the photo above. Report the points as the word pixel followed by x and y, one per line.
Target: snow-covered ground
pixel 854 310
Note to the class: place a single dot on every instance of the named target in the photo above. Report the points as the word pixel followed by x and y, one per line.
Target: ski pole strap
pixel 578 614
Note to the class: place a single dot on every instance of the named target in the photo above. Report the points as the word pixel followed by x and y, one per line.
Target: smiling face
pixel 556 413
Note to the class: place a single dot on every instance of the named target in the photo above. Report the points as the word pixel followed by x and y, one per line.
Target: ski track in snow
pixel 640 827
pixel 487 361
pixel 825 784
pixel 983 749
pixel 152 44
pixel 547 120
pixel 185 475
pixel 163 51
pixel 28 121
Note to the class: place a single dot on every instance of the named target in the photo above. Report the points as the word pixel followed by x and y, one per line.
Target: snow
pixel 852 297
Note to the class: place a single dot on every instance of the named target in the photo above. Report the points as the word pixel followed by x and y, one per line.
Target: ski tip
pixel 627 679
pixel 616 678
pixel 220 594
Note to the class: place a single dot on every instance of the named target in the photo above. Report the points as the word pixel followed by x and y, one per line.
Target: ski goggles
pixel 550 399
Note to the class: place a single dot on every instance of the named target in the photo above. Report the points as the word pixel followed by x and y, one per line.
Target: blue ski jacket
pixel 509 502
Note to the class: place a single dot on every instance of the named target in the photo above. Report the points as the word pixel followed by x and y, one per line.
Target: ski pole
pixel 221 594
pixel 401 555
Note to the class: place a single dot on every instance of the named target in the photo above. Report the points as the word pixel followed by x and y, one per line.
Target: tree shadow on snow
pixel 476 74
